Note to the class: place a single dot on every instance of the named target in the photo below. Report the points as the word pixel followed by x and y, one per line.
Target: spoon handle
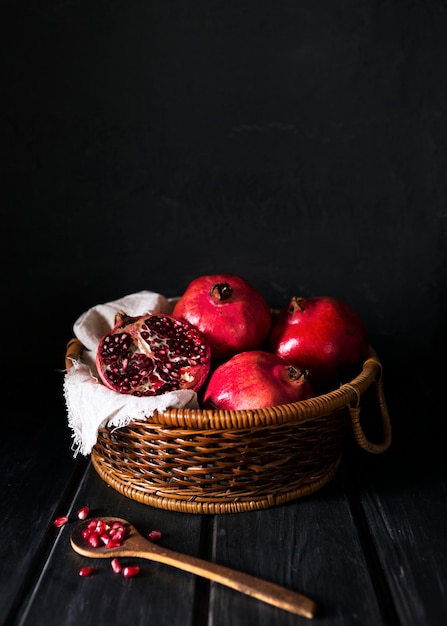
pixel 263 590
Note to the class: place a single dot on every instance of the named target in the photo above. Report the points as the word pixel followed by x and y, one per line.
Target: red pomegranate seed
pixel 154 535
pixel 117 524
pixel 60 521
pixel 131 570
pixel 99 532
pixel 93 539
pixel 108 542
pixel 116 566
pixel 86 571
pixel 117 535
pixel 83 512
pixel 101 526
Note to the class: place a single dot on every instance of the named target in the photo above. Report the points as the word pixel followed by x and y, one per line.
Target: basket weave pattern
pixel 212 461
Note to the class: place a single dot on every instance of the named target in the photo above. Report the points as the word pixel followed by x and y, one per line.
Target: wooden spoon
pixel 138 546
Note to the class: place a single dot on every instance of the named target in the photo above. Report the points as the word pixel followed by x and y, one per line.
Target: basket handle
pixel 73 351
pixel 354 413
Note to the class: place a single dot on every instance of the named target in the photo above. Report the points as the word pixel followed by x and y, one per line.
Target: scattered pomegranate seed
pixel 83 512
pixel 131 570
pixel 154 535
pixel 116 565
pixel 60 521
pixel 86 571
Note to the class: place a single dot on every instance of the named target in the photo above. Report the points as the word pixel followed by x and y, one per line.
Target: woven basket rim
pixel 347 395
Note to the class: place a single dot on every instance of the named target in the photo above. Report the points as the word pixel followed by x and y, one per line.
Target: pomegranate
pixel 255 379
pixel 322 335
pixel 231 313
pixel 152 354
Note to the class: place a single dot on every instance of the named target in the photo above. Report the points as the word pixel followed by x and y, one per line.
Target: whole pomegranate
pixel 255 380
pixel 231 313
pixel 149 355
pixel 323 335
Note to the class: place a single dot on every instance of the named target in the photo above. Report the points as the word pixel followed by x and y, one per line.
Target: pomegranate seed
pixel 131 570
pixel 154 535
pixel 110 535
pixel 108 542
pixel 83 512
pixel 93 539
pixel 116 566
pixel 60 521
pixel 100 527
pixel 117 525
pixel 86 571
pixel 117 535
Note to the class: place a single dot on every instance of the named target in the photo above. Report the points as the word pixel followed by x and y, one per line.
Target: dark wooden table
pixel 370 548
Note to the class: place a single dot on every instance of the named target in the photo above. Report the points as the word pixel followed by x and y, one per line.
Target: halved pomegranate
pixel 152 354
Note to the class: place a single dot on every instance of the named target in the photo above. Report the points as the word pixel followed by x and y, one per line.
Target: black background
pixel 300 144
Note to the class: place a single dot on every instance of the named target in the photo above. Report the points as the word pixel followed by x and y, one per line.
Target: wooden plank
pixel 299 545
pixel 410 537
pixel 310 546
pixel 405 505
pixel 369 548
pixel 36 471
pixel 159 594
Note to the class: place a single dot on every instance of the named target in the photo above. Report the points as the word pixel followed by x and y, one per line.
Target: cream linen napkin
pixel 91 405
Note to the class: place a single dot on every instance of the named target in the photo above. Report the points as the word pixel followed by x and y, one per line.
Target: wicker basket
pixel 213 461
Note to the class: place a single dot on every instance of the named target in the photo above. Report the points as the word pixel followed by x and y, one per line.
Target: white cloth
pixel 91 405
pixel 97 321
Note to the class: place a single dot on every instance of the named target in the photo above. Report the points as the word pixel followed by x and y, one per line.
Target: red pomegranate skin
pixel 255 379
pixel 152 354
pixel 322 335
pixel 232 314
